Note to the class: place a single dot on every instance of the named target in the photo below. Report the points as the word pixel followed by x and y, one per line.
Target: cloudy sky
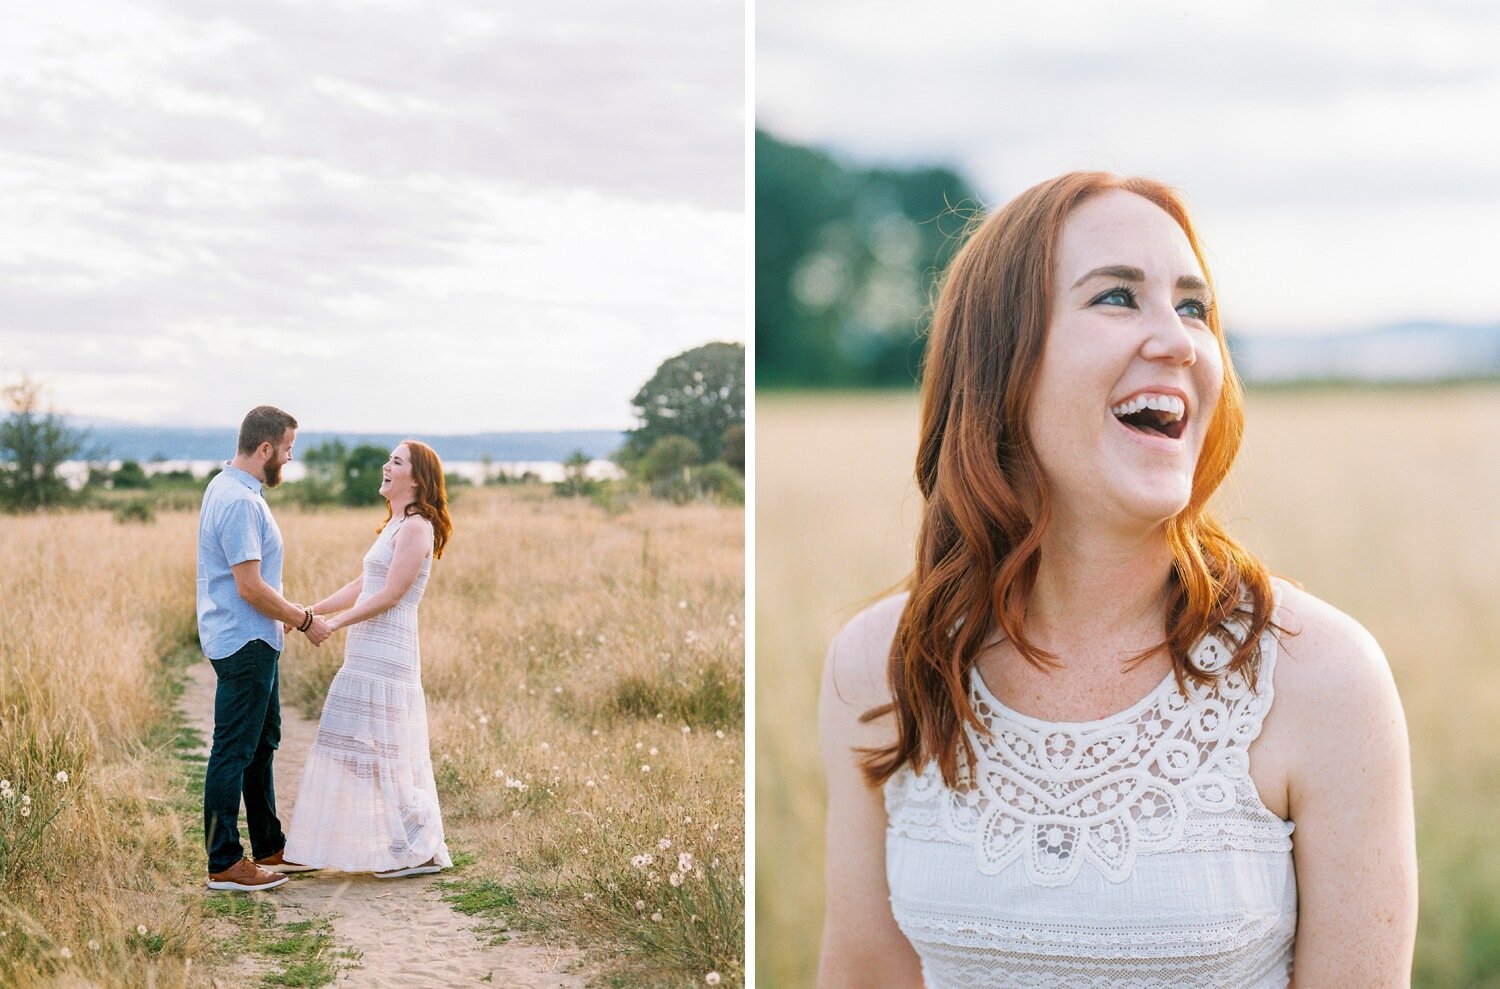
pixel 1342 157
pixel 386 215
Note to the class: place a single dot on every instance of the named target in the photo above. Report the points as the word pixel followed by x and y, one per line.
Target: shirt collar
pixel 248 480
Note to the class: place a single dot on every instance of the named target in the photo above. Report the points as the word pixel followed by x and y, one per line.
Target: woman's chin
pixel 1153 503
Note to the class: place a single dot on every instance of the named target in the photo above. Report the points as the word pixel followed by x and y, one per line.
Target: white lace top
pixel 1132 852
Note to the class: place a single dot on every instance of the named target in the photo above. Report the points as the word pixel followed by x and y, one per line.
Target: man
pixel 241 614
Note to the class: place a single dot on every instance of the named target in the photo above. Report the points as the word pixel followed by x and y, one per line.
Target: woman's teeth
pixel 1170 404
pixel 1161 415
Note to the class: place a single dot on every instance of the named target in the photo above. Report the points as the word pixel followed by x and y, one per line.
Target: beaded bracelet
pixel 307 623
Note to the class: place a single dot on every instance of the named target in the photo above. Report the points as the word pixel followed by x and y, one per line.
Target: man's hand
pixel 318 630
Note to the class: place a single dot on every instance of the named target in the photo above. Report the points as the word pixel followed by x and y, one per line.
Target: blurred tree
pixel 733 452
pixel 575 475
pixel 33 445
pixel 697 395
pixel 668 467
pixel 325 472
pixel 361 475
pixel 130 475
pixel 845 260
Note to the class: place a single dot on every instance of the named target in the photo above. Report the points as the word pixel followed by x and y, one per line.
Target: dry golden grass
pixel 1384 502
pixel 563 649
pixel 91 609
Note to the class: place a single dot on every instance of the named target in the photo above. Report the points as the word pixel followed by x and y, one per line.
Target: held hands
pixel 315 627
pixel 319 630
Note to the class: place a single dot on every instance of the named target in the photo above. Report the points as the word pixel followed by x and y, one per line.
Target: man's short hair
pixel 264 424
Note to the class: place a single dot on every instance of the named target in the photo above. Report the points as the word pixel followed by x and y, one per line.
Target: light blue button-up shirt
pixel 235 525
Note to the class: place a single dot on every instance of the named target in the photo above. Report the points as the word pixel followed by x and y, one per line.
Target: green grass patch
pixel 709 696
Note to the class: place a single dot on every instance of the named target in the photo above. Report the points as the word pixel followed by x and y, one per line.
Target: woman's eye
pixel 1117 297
pixel 1193 309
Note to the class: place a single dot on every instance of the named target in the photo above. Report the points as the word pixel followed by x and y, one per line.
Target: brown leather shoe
pixel 244 875
pixel 278 863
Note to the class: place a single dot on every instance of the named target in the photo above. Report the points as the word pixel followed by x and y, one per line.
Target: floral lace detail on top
pixel 1104 792
pixel 1131 851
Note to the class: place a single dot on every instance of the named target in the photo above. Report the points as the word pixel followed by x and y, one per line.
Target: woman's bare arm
pixel 341 599
pixel 411 545
pixel 862 946
pixel 1350 796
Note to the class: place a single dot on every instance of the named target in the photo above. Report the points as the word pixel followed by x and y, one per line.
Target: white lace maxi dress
pixel 1132 852
pixel 368 802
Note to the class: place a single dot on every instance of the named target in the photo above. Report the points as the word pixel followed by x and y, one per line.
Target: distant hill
pixel 1403 353
pixel 118 441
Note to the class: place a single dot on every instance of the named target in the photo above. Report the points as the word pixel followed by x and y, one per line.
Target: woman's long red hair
pixel 987 504
pixel 431 501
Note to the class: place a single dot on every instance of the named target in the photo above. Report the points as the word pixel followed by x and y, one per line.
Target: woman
pixel 368 802
pixel 1056 761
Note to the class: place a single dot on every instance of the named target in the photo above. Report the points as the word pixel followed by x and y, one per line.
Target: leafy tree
pixel 130 475
pixel 845 259
pixel 668 466
pixel 361 473
pixel 33 445
pixel 696 395
pixel 733 452
pixel 325 472
pixel 722 481
pixel 669 457
pixel 575 475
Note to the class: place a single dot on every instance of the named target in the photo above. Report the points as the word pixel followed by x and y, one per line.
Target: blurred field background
pixel 585 685
pixel 1383 501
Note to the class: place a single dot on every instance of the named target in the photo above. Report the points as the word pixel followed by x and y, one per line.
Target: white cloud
pixel 401 215
pixel 1317 142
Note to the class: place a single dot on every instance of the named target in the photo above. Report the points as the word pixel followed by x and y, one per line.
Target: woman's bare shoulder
pixel 1330 671
pixel 856 670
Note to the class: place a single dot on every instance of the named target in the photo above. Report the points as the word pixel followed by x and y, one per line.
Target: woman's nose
pixel 1169 340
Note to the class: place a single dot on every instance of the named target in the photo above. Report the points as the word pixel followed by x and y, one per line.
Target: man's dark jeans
pixel 247 729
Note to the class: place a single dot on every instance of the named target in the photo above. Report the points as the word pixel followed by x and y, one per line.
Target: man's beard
pixel 273 473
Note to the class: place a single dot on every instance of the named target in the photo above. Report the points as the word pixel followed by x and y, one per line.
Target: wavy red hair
pixel 987 503
pixel 431 501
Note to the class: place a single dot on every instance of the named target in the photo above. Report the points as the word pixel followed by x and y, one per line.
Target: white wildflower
pixel 655 916
pixel 62 776
pixel 712 978
pixel 675 879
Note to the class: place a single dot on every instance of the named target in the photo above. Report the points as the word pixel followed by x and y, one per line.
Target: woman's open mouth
pixel 1153 414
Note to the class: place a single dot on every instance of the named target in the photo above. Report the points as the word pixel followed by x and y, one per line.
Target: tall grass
pixel 1383 502
pixel 585 687
pixel 564 649
pixel 90 863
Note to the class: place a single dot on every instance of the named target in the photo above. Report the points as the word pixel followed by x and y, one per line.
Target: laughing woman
pixel 368 801
pixel 1074 753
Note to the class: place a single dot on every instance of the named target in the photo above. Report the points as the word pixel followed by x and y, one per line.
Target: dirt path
pixel 406 935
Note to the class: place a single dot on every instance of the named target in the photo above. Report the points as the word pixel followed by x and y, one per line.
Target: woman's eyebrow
pixel 1120 271
pixel 1126 273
